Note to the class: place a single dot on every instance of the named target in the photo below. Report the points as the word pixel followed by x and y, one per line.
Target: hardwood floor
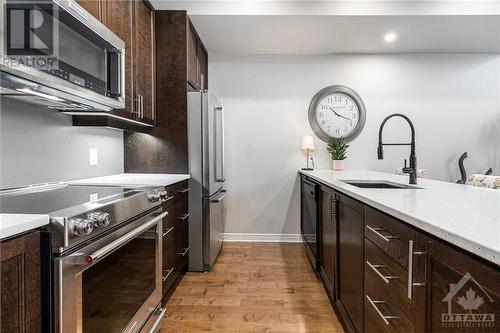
pixel 254 287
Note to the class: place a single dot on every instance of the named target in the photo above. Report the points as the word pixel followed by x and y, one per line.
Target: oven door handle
pixel 105 250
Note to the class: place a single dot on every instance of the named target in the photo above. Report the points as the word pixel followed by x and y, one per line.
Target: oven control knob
pixel 82 227
pixel 100 219
pixel 104 219
pixel 163 194
pixel 154 196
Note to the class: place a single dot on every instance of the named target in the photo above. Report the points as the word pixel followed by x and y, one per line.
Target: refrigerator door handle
pixel 220 179
pixel 219 199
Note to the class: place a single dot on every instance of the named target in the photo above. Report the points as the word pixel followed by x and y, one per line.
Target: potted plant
pixel 337 149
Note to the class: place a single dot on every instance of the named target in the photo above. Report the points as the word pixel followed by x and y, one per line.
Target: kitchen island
pixel 404 259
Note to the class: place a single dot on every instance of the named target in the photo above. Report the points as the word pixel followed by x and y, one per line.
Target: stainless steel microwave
pixel 56 54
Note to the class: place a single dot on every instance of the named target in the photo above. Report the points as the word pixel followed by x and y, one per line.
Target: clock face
pixel 337 111
pixel 337 115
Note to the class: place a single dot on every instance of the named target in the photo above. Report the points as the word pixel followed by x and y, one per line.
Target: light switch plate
pixel 93 156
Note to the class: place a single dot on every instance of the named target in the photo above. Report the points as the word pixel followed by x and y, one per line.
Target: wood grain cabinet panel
pixel 463 291
pixel 192 57
pixel 144 58
pixel 20 278
pixel 94 7
pixel 351 268
pixel 328 239
pixel 119 20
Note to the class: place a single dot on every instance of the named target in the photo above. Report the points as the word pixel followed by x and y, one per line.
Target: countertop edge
pixel 26 223
pixel 489 254
pixel 176 178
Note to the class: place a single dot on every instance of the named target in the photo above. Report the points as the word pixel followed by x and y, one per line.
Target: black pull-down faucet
pixel 412 170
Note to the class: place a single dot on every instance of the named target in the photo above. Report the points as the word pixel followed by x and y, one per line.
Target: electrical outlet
pixel 93 156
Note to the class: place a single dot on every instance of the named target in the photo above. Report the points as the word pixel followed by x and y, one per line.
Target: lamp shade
pixel 307 143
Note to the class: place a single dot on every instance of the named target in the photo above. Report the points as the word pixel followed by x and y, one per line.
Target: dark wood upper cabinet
pixel 94 7
pixel 328 239
pixel 144 73
pixel 192 57
pixel 202 66
pixel 351 268
pixel 197 60
pixel 133 22
pixel 20 289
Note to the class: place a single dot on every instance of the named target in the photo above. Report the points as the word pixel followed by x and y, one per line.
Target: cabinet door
pixel 92 6
pixel 351 268
pixel 202 66
pixel 20 285
pixel 144 59
pixel 119 20
pixel 328 216
pixel 463 291
pixel 192 57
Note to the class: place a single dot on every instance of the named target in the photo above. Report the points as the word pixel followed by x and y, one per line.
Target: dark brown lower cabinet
pixel 20 275
pixel 175 238
pixel 328 240
pixel 351 244
pixel 384 275
pixel 463 292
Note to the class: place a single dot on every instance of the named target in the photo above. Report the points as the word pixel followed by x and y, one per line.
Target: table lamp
pixel 308 144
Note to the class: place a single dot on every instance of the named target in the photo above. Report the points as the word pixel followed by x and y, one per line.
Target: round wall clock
pixel 337 111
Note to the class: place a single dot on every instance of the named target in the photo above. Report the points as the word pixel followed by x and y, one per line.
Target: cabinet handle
pixel 142 105
pixel 168 230
pixel 385 278
pixel 412 284
pixel 168 199
pixel 184 190
pixel 164 278
pixel 376 232
pixel 377 310
pixel 183 217
pixel 185 252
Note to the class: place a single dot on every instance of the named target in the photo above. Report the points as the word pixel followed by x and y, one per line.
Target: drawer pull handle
pixel 183 217
pixel 168 199
pixel 377 310
pixel 376 231
pixel 185 252
pixel 184 190
pixel 382 276
pixel 412 284
pixel 164 278
pixel 167 231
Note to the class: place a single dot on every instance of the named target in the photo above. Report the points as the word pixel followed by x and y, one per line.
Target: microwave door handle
pixel 105 250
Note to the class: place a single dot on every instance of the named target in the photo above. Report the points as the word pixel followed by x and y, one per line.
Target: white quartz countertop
pixel 466 216
pixel 134 179
pixel 13 224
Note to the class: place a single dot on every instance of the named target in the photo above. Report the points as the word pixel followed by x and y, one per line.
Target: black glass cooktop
pixel 58 198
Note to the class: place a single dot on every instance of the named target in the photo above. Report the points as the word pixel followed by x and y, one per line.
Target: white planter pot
pixel 338 165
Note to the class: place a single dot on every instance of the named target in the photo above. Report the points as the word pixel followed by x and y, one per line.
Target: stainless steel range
pixel 106 244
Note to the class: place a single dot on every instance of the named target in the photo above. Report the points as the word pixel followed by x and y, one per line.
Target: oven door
pixel 114 283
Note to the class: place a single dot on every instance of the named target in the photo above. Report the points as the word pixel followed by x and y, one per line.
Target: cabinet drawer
pixel 181 191
pixel 388 234
pixel 387 277
pixel 378 307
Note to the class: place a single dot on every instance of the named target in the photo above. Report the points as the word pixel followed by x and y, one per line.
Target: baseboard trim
pixel 265 238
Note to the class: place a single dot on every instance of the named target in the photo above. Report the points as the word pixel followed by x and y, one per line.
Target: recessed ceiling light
pixel 390 37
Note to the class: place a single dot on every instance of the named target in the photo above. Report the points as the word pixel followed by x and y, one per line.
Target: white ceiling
pixel 322 27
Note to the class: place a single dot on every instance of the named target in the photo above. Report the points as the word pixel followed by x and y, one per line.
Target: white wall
pixel 453 100
pixel 40 145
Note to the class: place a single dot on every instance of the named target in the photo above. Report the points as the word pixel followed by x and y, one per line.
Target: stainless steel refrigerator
pixel 207 192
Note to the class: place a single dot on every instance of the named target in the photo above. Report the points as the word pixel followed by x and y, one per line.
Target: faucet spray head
pixel 380 151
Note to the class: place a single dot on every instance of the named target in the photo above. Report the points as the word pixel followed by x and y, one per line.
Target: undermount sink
pixel 378 184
